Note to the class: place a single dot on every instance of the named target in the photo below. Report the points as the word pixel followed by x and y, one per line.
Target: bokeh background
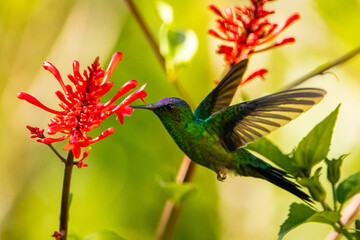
pixel 119 191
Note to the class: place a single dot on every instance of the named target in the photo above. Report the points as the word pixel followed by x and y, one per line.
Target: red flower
pixel 81 107
pixel 57 235
pixel 247 28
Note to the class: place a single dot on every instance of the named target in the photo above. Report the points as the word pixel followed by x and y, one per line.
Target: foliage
pixel 348 188
pixel 119 190
pixel 175 191
pixel 178 46
pixel 312 150
pixel 300 214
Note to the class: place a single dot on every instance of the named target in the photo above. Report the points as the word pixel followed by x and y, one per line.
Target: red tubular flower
pixel 258 73
pixel 247 28
pixel 82 110
pixel 57 235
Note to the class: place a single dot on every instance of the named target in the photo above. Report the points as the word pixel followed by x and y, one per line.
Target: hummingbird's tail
pixel 278 177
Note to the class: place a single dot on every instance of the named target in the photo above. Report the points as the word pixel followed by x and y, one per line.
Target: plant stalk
pixel 56 152
pixel 323 68
pixel 65 203
pixel 348 215
pixel 171 212
pixel 344 231
pixel 133 9
pixel 334 196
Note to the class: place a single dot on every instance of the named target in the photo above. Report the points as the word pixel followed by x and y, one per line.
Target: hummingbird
pixel 215 134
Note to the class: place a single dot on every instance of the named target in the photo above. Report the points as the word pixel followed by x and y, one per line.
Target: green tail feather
pixel 278 177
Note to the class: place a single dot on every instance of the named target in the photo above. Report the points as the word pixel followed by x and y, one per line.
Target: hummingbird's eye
pixel 169 107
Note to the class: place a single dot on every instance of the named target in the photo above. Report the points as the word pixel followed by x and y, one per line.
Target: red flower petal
pixel 124 89
pixel 51 68
pixel 103 135
pixel 215 10
pixel 34 101
pixel 82 108
pixel 246 28
pixel 114 61
pixel 258 73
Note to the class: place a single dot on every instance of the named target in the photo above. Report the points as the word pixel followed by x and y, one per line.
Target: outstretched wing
pixel 223 93
pixel 242 123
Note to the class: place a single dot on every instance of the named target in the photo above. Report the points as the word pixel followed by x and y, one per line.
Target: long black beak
pixel 148 106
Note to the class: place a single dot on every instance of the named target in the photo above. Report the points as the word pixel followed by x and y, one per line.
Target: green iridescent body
pixel 215 134
pixel 202 145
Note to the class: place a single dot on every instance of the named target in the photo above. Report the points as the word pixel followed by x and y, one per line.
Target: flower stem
pixel 344 231
pixel 348 215
pixel 171 212
pixel 65 203
pixel 56 152
pixel 357 228
pixel 339 229
pixel 171 77
pixel 334 196
pixel 146 31
pixel 324 67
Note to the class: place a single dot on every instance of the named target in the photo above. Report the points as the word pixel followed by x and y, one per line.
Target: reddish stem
pixel 146 31
pixel 171 211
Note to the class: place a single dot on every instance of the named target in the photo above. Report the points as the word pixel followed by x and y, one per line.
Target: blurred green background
pixel 119 191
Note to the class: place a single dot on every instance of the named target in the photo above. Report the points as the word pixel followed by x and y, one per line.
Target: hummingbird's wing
pixel 242 123
pixel 221 96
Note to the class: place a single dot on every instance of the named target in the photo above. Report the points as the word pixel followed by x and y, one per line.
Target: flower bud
pixel 333 168
pixel 316 190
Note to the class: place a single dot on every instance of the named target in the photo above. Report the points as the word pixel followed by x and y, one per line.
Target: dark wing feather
pixel 223 93
pixel 242 123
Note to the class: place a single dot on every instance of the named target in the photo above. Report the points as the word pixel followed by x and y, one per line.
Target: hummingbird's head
pixel 168 108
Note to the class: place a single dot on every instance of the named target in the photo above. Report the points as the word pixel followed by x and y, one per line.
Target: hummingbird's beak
pixel 148 106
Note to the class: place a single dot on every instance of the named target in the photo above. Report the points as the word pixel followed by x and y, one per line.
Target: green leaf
pixel 272 152
pixel 177 46
pixel 348 188
pixel 301 213
pixel 316 145
pixel 185 50
pixel 101 235
pixel 165 12
pixel 176 191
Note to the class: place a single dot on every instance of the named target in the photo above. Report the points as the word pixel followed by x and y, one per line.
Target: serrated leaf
pixel 272 152
pixel 103 235
pixel 175 191
pixel 348 188
pixel 301 213
pixel 315 146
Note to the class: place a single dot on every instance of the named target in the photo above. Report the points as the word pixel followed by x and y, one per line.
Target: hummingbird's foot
pixel 221 175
